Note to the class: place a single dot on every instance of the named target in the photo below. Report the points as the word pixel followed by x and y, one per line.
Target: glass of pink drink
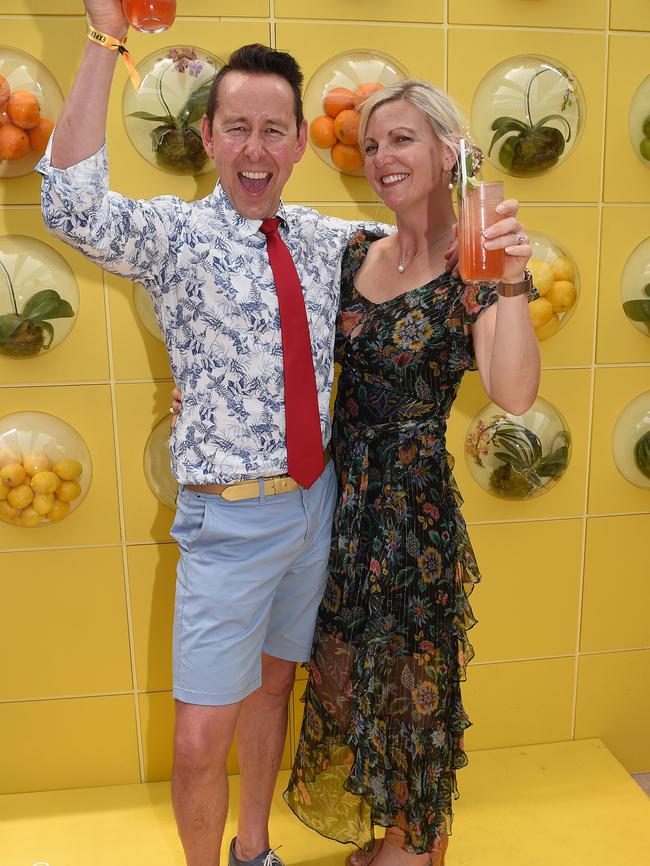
pixel 150 16
pixel 476 212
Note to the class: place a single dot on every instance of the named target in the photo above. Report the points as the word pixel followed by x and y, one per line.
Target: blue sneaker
pixel 266 858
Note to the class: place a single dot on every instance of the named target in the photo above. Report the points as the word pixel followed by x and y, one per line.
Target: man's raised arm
pixel 81 127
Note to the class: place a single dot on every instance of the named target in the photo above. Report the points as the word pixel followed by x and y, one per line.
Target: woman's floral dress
pixel 382 735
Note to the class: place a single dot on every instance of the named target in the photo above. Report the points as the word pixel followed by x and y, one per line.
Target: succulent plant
pixel 532 148
pixel 24 334
pixel 638 309
pixel 176 143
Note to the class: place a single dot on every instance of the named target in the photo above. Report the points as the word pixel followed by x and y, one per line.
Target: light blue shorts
pixel 250 578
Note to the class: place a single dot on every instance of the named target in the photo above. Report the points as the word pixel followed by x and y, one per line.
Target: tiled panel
pixel 86 408
pixel 419 50
pixel 83 355
pixel 130 173
pixel 76 743
pixel 616 557
pixel 568 391
pixel 527 601
pixel 152 580
pixel 629 15
pixel 519 703
pixel 417 11
pixel 576 230
pixel 582 14
pixel 137 354
pixel 577 178
pixel 609 491
pixel 139 408
pixel 627 179
pixel 65 626
pixel 614 705
pixel 42 38
pixel 618 341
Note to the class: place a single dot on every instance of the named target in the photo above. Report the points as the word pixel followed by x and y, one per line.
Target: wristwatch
pixel 510 290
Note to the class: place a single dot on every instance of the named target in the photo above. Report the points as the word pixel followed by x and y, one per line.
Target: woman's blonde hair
pixel 443 116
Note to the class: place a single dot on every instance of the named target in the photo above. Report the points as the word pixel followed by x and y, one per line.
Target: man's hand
pixel 177 405
pixel 107 16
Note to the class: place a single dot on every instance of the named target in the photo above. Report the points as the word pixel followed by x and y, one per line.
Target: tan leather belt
pixel 250 489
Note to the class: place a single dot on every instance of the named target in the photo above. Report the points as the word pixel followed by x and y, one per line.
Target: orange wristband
pixel 114 44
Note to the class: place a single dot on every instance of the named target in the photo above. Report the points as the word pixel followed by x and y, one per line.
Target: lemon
pixel 540 311
pixel 21 496
pixel 4 492
pixel 562 295
pixel 551 327
pixel 68 470
pixel 13 474
pixel 59 510
pixel 45 482
pixel 43 503
pixel 68 490
pixel 562 268
pixel 542 274
pixel 7 511
pixel 30 517
pixel 34 463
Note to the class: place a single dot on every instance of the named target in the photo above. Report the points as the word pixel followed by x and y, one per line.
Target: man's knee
pixel 278 677
pixel 202 737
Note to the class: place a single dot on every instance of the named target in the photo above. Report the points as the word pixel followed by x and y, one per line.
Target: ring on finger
pixel 521 238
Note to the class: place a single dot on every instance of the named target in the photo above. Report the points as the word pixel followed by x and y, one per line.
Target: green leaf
pixel 195 105
pixel 8 324
pixel 48 331
pixel 542 122
pixel 154 118
pixel 638 310
pixel 512 122
pixel 504 130
pixel 47 304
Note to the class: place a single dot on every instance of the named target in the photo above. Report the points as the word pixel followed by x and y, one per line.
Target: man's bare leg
pixel 202 740
pixel 261 733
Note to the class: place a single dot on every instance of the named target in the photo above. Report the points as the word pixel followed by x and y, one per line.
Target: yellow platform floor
pixel 564 804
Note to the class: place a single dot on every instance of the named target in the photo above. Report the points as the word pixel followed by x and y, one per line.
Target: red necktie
pixel 304 441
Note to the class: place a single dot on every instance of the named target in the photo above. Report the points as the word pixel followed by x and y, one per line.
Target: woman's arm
pixel 505 345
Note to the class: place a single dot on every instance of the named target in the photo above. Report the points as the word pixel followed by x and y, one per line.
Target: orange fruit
pixel 23 109
pixel 39 135
pixel 338 99
pixel 321 131
pixel 346 126
pixel 347 157
pixel 366 90
pixel 5 92
pixel 14 142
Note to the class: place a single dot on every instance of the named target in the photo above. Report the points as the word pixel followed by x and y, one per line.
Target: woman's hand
pixel 509 234
pixel 177 405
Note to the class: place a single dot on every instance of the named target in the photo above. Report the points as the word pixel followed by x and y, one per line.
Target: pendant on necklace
pixel 401 267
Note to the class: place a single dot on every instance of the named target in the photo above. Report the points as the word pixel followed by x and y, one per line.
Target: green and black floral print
pixel 382 735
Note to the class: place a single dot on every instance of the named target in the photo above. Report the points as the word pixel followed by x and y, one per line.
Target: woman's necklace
pixel 404 262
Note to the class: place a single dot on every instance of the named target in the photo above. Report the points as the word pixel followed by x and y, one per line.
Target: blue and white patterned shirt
pixel 207 270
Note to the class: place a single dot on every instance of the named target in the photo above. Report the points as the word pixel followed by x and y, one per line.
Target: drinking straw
pixel 463 165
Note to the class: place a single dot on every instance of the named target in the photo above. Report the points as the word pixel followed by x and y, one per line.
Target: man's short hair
pixel 260 60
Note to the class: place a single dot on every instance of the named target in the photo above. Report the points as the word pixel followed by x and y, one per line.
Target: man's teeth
pixel 394 178
pixel 255 175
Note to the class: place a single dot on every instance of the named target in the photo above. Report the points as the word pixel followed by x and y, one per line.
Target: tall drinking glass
pixel 476 212
pixel 150 16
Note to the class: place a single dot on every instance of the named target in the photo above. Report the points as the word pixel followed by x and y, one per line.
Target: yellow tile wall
pixel 563 646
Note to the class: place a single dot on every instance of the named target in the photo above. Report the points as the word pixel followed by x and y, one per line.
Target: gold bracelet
pixel 118 45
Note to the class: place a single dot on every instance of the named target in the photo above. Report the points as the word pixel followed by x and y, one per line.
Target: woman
pixel 382 735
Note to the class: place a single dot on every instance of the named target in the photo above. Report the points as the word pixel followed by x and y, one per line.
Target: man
pixel 253 556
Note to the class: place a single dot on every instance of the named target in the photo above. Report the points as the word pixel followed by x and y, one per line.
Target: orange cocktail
pixel 150 16
pixel 476 212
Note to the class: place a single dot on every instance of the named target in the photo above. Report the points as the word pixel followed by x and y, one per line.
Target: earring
pixel 450 185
